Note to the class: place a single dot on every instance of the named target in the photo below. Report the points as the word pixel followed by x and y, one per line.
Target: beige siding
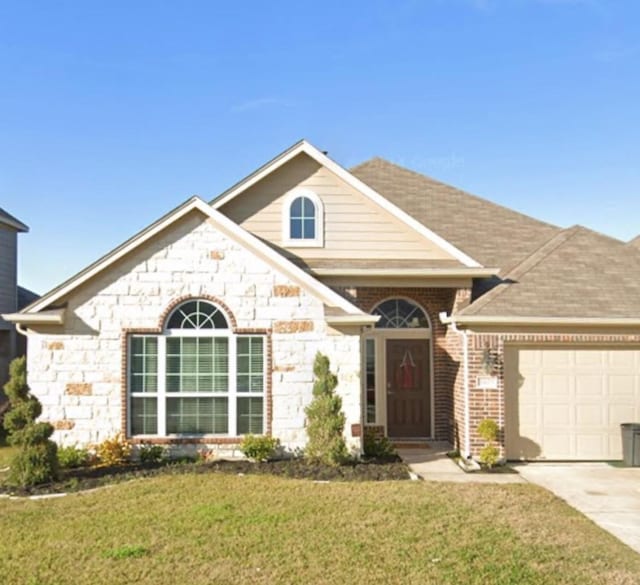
pixel 354 226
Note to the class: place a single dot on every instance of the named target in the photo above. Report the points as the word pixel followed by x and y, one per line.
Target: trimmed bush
pixel 73 457
pixel 488 429
pixel 36 461
pixel 377 446
pixel 325 419
pixel 258 447
pixel 151 453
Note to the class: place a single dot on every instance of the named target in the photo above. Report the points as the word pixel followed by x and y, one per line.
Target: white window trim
pixel 318 241
pixel 161 395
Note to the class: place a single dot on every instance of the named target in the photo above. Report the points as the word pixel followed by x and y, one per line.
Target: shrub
pixel 205 455
pixel 376 445
pixel 151 453
pixel 325 419
pixel 114 451
pixel 36 461
pixel 73 457
pixel 488 429
pixel 259 448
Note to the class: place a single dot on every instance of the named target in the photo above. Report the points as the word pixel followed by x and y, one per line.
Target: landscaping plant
pixel 325 419
pixel 114 451
pixel 377 445
pixel 259 448
pixel 36 461
pixel 488 430
pixel 73 457
pixel 151 453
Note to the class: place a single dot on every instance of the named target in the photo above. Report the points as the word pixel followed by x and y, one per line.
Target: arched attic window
pixel 400 314
pixel 302 221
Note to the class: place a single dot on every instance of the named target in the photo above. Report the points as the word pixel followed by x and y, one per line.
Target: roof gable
pixel 577 274
pixel 351 180
pixel 492 234
pixel 224 224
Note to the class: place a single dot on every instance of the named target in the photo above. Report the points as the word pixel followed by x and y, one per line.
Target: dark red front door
pixel 408 388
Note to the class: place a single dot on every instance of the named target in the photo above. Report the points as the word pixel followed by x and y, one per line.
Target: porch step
pixel 411 444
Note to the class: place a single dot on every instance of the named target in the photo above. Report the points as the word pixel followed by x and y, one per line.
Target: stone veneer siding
pixel 78 371
pixel 447 348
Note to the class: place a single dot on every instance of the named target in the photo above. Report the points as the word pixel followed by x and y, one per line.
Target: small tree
pixel 325 419
pixel 36 461
pixel 488 430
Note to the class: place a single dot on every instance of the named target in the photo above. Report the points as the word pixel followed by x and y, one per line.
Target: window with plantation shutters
pixel 197 377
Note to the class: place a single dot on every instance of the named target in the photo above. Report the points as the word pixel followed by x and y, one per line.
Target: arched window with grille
pixel 302 221
pixel 197 377
pixel 400 314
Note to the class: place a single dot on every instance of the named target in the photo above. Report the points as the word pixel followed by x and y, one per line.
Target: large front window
pixel 197 377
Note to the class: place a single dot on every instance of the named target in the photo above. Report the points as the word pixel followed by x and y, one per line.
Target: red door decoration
pixel 406 375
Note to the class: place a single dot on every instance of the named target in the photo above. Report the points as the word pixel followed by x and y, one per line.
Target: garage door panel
pixel 569 403
pixel 624 385
pixel 555 387
pixel 558 359
pixel 589 385
pixel 590 415
pixel 556 414
pixel 590 446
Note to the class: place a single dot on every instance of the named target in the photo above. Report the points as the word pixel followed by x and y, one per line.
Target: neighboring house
pixel 437 309
pixel 10 293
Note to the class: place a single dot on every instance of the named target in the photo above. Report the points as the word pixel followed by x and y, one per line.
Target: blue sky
pixel 112 113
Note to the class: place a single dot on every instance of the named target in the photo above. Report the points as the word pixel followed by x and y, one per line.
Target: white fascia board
pixel 504 320
pixel 227 226
pixel 408 272
pixel 321 158
pixel 352 319
pixel 51 317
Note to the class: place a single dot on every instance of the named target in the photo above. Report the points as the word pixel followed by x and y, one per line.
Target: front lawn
pixel 219 528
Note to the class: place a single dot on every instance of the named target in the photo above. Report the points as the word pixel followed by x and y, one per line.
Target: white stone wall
pixel 76 370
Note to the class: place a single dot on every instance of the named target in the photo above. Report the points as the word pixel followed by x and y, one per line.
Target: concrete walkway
pixel 608 495
pixel 432 464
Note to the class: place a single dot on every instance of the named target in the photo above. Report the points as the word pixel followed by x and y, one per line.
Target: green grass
pixel 6 453
pixel 202 529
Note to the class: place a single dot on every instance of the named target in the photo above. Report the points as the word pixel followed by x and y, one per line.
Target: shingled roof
pixel 491 234
pixel 578 273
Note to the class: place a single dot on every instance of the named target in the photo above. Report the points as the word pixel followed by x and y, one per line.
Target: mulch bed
pixel 74 480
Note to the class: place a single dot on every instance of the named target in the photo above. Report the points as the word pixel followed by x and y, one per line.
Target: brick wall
pixel 490 403
pixel 446 345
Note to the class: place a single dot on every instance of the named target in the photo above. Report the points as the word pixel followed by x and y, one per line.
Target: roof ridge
pixel 449 186
pixel 522 268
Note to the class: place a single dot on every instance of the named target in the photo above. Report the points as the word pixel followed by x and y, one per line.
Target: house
pixel 12 297
pixel 437 309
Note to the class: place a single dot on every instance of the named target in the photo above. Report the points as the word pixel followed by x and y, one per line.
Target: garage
pixel 567 403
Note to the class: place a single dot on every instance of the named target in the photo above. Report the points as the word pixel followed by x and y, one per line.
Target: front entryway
pixel 408 386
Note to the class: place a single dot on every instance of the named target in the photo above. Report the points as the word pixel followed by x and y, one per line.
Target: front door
pixel 408 388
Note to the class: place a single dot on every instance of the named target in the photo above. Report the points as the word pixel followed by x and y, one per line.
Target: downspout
pixel 465 380
pixel 21 330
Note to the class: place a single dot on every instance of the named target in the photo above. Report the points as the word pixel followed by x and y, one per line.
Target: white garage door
pixel 569 403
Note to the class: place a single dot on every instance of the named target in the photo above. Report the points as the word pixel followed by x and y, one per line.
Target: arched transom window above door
pixel 400 314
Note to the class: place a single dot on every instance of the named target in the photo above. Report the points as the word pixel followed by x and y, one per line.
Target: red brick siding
pixel 447 353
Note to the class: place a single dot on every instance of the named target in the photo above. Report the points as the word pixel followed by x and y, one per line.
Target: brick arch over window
pixel 174 304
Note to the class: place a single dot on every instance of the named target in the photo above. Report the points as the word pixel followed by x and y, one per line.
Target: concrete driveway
pixel 608 495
